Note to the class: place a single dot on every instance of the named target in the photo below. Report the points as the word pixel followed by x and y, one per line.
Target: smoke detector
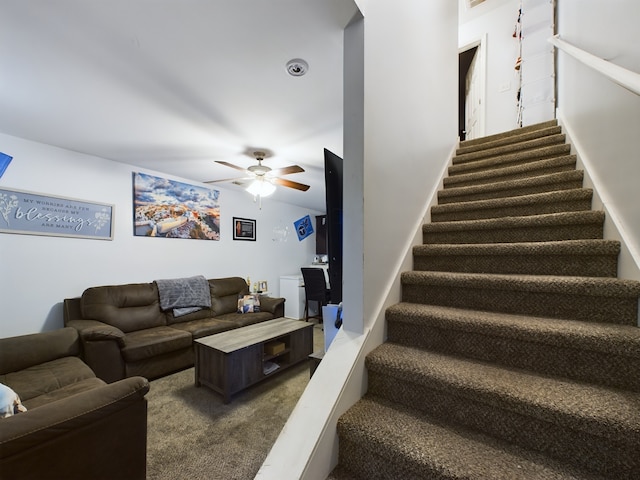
pixel 297 67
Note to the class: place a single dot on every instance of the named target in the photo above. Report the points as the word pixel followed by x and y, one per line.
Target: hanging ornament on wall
pixel 281 233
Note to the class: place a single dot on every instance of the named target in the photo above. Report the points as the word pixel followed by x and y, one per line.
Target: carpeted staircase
pixel 515 352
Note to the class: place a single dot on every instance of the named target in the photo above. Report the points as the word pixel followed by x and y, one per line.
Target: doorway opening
pixel 464 64
pixel 471 90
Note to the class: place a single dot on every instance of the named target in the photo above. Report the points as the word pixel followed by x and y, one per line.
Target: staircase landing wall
pixel 602 117
pixel 409 128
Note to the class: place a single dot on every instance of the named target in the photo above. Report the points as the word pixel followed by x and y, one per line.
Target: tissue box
pixel 274 348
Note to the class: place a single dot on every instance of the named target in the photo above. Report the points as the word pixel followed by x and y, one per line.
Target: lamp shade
pixel 261 188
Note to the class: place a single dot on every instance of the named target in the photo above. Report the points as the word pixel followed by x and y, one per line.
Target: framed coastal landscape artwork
pixel 171 209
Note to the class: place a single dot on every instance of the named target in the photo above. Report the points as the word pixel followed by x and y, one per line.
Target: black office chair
pixel 315 290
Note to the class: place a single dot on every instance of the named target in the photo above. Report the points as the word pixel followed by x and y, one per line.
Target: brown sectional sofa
pixel 125 333
pixel 74 423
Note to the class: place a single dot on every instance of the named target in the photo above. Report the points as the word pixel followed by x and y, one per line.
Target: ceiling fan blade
pixel 221 162
pixel 228 180
pixel 290 184
pixel 286 170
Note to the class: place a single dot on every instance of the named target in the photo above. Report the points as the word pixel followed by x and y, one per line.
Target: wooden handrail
pixel 620 75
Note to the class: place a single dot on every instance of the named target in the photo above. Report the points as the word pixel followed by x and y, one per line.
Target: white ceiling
pixel 172 85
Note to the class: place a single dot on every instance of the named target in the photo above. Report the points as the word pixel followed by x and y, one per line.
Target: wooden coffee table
pixel 229 362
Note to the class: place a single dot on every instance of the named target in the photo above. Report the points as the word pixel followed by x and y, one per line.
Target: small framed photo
pixel 262 286
pixel 244 229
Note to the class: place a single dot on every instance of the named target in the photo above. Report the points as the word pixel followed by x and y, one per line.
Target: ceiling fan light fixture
pixel 261 188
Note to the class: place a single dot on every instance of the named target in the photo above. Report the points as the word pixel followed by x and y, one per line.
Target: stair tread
pixel 535 198
pixel 500 186
pixel 501 161
pixel 595 286
pixel 561 218
pixel 563 247
pixel 596 410
pixel 509 148
pixel 429 449
pixel 622 340
pixel 562 163
pixel 542 132
pixel 509 133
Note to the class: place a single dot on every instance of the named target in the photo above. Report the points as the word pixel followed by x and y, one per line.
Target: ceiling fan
pixel 264 178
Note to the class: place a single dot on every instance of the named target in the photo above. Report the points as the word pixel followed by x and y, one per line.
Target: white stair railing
pixel 620 75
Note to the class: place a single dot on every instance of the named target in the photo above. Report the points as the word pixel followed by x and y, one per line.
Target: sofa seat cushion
pixel 64 392
pixel 203 328
pixel 242 319
pixel 47 377
pixel 189 317
pixel 152 342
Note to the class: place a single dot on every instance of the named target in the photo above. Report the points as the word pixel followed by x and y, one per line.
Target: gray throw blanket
pixel 184 295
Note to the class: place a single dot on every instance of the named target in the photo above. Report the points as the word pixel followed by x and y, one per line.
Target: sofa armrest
pixel 272 305
pixel 101 348
pixel 93 330
pixel 80 436
pixel 71 310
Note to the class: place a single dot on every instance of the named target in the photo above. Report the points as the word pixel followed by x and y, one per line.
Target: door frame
pixel 481 44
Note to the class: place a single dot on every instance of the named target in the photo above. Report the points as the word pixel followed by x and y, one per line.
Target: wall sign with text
pixel 244 229
pixel 37 214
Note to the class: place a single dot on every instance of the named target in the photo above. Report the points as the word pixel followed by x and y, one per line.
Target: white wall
pixel 410 127
pixel 394 156
pixel 496 19
pixel 353 178
pixel 38 272
pixel 604 118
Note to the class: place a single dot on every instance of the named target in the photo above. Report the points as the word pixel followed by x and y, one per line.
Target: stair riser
pixel 508 135
pixel 510 140
pixel 566 265
pixel 569 205
pixel 522 146
pixel 516 235
pixel 509 160
pixel 513 192
pixel 554 305
pixel 515 424
pixel 357 457
pixel 569 361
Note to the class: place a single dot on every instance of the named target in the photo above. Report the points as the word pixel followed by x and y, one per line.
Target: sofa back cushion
pixel 24 351
pixel 129 307
pixel 224 294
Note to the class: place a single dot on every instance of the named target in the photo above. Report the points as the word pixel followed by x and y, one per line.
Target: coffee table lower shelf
pixel 231 361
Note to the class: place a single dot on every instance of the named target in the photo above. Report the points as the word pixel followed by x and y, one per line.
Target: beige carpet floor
pixel 192 434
